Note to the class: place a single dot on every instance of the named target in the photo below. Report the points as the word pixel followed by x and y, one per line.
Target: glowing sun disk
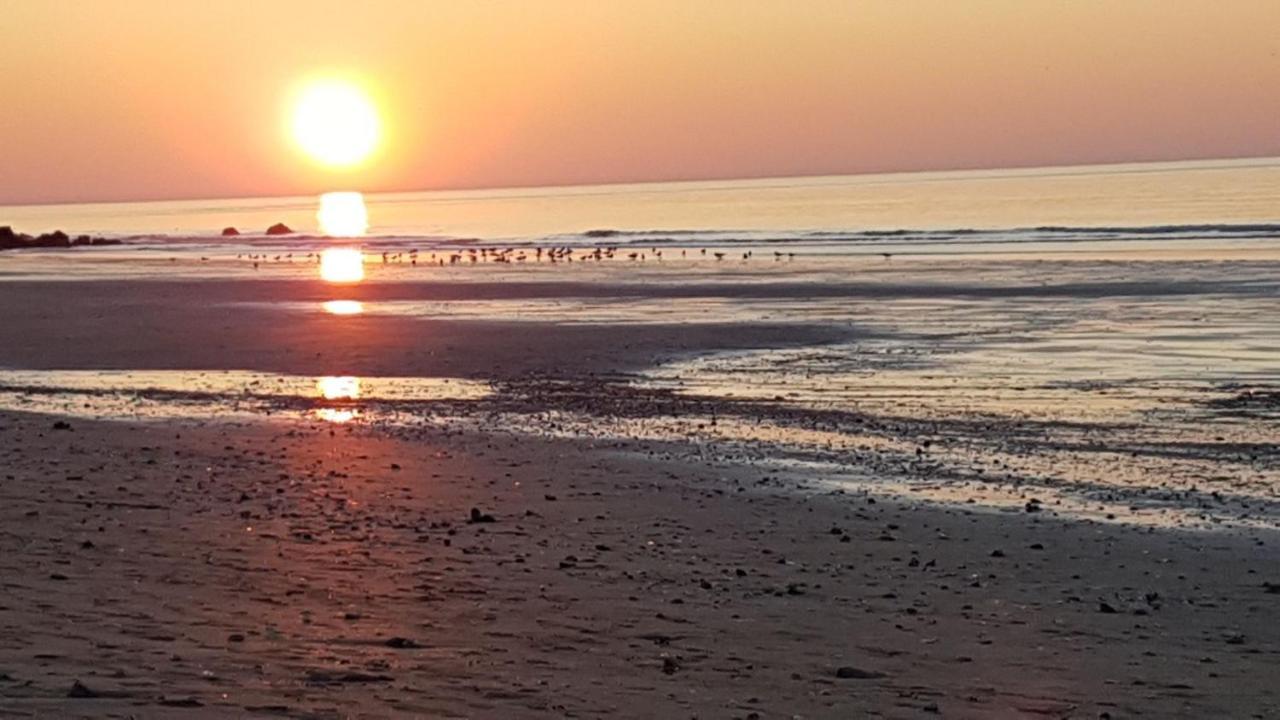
pixel 335 123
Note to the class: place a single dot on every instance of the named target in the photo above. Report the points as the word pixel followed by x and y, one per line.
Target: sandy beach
pixel 313 571
pixel 580 541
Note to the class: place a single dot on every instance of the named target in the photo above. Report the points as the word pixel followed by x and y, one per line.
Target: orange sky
pixel 173 99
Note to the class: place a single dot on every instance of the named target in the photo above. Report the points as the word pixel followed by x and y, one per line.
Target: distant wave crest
pixel 832 240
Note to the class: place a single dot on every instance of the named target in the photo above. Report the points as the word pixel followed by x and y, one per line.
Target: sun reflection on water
pixel 342 214
pixel 343 307
pixel 337 415
pixel 342 387
pixel 342 265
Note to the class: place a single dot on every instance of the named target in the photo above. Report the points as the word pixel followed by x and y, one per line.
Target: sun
pixel 335 123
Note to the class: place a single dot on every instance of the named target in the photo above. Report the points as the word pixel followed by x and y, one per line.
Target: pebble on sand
pixel 848 672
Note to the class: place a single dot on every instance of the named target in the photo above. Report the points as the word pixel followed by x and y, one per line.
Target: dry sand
pixel 317 571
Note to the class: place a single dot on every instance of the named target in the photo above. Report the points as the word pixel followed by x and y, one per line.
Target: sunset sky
pixel 171 99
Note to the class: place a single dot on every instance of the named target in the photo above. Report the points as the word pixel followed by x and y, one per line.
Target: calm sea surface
pixel 1203 201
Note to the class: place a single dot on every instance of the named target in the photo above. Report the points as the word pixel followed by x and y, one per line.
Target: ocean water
pixel 1105 340
pixel 1142 205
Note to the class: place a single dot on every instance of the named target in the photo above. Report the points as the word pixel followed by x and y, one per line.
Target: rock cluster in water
pixel 10 240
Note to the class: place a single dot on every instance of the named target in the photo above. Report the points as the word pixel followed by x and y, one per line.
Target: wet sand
pixel 227 324
pixel 311 570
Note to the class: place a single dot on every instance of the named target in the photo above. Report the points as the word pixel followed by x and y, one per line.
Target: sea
pixel 1102 341
pixel 1223 203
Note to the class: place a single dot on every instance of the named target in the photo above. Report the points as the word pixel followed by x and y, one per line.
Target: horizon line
pixel 659 181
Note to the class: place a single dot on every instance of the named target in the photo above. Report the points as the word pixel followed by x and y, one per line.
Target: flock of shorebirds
pixel 505 255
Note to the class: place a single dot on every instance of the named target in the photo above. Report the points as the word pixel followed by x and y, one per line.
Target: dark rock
pixel 479 517
pixel 10 239
pixel 229 232
pixel 1106 608
pixel 80 690
pixel 57 238
pixel 279 229
pixel 847 672
pixel 670 665
pixel 180 702
pixel 62 425
pixel 400 643
pixel 235 638
pixel 1271 588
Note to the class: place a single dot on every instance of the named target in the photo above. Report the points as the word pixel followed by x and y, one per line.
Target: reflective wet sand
pixel 1098 388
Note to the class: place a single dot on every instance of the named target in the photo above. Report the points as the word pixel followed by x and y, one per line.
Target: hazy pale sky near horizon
pixel 154 99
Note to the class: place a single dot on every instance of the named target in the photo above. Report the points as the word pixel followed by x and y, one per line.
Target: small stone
pixel 400 643
pixel 848 672
pixel 80 690
pixel 479 517
pixel 1106 608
